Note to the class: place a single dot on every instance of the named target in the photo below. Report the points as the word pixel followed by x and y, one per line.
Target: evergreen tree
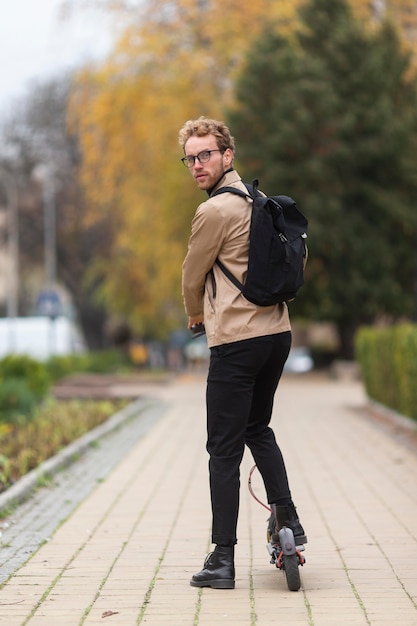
pixel 331 119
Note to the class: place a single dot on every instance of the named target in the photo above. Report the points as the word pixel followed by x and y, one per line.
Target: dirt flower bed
pixel 24 444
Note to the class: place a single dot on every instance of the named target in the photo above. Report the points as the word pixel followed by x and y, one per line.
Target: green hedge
pixel 26 368
pixel 388 361
pixel 26 382
pixel 17 401
pixel 101 362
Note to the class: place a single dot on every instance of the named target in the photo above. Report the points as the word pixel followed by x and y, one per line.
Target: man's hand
pixel 195 320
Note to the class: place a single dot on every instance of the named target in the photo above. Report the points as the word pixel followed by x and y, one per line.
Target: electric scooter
pixel 282 547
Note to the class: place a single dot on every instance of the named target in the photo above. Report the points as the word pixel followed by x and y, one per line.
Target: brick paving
pixel 58 486
pixel 125 555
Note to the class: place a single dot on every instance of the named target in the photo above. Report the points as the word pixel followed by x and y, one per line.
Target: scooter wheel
pixel 292 574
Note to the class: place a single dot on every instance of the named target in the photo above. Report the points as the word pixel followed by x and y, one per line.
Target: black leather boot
pixel 218 571
pixel 285 516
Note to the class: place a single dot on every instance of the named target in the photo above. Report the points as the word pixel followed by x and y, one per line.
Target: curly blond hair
pixel 206 126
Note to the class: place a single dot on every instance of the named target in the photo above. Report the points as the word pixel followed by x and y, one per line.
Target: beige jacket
pixel 220 228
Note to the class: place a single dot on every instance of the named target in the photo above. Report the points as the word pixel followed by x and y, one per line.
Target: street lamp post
pixel 48 302
pixel 10 187
pixel 50 231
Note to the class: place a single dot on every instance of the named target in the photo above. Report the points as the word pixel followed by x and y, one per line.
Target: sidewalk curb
pixel 396 418
pixel 402 427
pixel 23 488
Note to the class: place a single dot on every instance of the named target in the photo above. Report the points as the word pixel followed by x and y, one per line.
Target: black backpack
pixel 277 248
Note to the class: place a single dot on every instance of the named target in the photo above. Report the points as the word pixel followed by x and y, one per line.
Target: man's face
pixel 206 175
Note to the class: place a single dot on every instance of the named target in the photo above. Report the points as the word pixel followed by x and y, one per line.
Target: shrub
pixel 107 361
pixel 388 360
pixel 61 366
pixel 17 401
pixel 32 372
pixel 103 362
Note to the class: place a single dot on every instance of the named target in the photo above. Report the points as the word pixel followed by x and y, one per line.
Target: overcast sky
pixel 38 38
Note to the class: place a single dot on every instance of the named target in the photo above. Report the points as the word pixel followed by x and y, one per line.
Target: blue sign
pixel 48 304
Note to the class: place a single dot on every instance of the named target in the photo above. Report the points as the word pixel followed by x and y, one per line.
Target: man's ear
pixel 228 154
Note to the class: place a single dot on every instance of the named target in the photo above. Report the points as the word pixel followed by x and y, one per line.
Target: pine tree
pixel 331 119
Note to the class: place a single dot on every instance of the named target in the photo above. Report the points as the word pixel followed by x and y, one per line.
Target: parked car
pixel 197 351
pixel 299 361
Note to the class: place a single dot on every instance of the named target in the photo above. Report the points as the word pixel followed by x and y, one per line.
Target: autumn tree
pixel 332 120
pixel 178 61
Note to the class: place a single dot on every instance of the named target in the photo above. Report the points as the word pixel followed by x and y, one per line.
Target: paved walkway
pixel 124 557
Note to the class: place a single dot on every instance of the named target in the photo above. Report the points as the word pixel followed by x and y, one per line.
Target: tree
pixel 37 134
pixel 331 119
pixel 177 62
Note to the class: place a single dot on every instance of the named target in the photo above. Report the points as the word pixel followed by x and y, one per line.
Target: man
pixel 248 345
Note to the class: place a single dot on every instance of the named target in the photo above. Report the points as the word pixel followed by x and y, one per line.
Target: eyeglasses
pixel 203 157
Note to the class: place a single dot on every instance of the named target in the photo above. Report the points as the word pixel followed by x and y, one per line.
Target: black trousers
pixel 242 380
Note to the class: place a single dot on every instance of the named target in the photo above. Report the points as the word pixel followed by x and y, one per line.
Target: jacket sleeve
pixel 207 235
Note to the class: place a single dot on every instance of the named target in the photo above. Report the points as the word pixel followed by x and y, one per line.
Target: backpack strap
pixel 229 274
pixel 252 193
pixel 252 190
pixel 234 190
